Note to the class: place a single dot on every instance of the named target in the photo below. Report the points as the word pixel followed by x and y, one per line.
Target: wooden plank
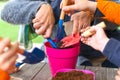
pixel 80 67
pixel 111 72
pixel 43 74
pixel 100 72
pixel 28 71
pixel 41 71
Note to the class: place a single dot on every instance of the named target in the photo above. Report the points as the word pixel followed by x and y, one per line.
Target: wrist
pixel 43 5
pixel 103 44
pixel 92 6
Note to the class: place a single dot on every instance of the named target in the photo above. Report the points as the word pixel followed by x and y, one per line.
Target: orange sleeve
pixel 111 10
pixel 4 75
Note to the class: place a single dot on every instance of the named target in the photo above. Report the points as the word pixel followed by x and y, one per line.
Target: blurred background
pixel 8 30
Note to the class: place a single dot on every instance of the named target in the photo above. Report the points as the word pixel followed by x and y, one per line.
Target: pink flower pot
pixel 62 58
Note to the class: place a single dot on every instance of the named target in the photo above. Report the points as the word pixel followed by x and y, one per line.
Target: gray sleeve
pixel 20 11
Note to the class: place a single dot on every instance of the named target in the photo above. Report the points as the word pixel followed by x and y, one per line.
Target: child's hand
pixel 117 77
pixel 44 21
pixel 70 2
pixel 81 20
pixel 8 57
pixel 98 40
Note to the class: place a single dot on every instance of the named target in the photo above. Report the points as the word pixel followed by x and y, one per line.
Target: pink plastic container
pixel 84 71
pixel 62 58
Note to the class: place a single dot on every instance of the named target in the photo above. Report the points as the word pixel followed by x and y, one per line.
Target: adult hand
pixel 8 57
pixel 81 5
pixel 81 20
pixel 98 40
pixel 44 21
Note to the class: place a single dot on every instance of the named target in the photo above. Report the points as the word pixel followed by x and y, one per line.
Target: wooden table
pixel 41 71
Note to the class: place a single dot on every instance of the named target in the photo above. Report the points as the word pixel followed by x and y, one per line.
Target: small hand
pixel 98 40
pixel 44 21
pixel 81 20
pixel 8 57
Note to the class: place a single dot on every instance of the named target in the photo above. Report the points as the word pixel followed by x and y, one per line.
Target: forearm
pixel 109 8
pixel 20 12
pixel 92 6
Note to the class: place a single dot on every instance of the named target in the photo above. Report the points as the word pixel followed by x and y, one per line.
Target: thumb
pixel 61 5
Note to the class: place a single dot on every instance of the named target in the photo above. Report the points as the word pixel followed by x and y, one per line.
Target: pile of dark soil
pixel 73 75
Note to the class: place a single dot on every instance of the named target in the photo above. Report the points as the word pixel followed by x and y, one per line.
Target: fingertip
pixel 17 44
pixel 34 20
pixel 7 39
pixel 61 5
pixel 46 35
pixel 37 31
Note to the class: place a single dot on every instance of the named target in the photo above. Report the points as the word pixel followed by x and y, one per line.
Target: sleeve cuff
pixel 4 75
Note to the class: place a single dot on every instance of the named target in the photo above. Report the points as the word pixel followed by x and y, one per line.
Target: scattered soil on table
pixel 73 75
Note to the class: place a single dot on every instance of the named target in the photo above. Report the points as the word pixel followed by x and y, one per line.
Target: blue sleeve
pixel 56 10
pixel 112 51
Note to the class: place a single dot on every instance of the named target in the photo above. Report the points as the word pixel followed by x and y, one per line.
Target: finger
pixel 48 32
pixel 12 51
pixel 9 63
pixel 35 20
pixel 92 29
pixel 80 25
pixel 70 8
pixel 12 61
pixel 69 13
pixel 13 70
pixel 84 29
pixel 61 4
pixel 37 25
pixel 84 25
pixel 84 40
pixel 75 26
pixel 4 44
pixel 88 24
pixel 42 29
pixel 72 17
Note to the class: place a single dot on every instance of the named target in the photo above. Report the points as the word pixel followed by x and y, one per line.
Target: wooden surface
pixel 41 71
